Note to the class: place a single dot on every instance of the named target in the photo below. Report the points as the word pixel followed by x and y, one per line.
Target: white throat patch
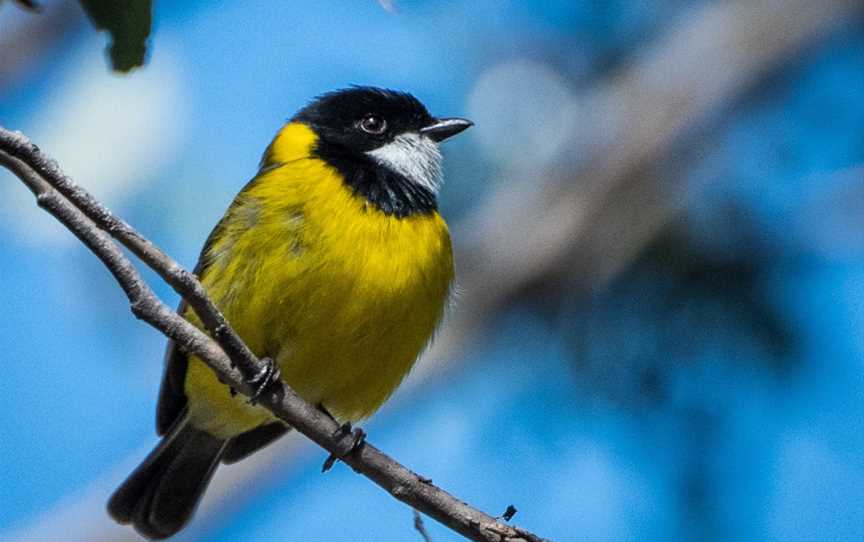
pixel 414 156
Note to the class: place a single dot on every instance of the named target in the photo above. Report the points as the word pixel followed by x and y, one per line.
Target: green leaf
pixel 128 22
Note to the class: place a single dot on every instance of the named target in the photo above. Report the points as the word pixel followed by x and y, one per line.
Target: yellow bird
pixel 334 263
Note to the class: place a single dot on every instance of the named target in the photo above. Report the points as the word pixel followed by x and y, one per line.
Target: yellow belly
pixel 341 295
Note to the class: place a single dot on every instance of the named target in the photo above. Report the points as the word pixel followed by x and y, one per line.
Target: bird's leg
pixel 266 376
pixel 358 439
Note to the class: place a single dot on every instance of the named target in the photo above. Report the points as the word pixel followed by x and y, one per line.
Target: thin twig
pixel 92 223
pixel 421 527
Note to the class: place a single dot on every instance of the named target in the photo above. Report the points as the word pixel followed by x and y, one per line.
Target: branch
pixel 420 527
pixel 586 215
pixel 232 360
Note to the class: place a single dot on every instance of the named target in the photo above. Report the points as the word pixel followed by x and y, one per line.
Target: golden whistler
pixel 332 264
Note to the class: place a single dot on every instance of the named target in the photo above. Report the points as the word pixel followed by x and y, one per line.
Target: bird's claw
pixel 261 381
pixel 358 439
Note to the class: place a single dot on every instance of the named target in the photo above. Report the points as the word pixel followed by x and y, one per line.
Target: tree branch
pixel 232 360
pixel 420 527
pixel 587 215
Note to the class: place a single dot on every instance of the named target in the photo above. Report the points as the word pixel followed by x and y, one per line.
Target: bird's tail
pixel 161 495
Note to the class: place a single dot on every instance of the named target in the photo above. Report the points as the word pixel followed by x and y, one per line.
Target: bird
pixel 333 264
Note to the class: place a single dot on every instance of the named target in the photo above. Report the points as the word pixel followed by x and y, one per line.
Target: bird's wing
pixel 172 394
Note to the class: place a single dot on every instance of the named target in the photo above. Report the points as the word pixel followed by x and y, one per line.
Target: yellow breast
pixel 341 295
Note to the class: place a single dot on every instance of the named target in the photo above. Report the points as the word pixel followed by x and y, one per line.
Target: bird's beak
pixel 441 129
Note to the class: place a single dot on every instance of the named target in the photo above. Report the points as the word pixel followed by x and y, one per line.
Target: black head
pixel 384 143
pixel 363 118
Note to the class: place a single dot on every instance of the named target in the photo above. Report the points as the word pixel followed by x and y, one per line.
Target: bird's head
pixel 385 144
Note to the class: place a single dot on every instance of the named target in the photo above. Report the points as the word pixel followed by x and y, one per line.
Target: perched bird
pixel 334 263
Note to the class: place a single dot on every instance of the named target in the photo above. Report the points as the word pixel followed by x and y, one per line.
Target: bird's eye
pixel 373 124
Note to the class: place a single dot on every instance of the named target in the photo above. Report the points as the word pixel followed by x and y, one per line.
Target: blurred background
pixel 659 222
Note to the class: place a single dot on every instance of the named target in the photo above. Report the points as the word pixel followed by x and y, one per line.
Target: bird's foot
pixel 261 381
pixel 358 439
